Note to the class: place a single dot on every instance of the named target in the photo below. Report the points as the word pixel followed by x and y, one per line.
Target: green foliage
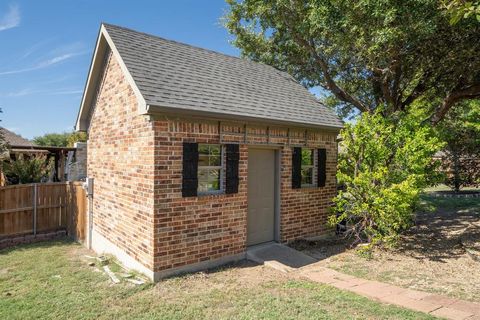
pixel 52 139
pixel 76 137
pixel 28 169
pixel 461 157
pixel 461 9
pixel 65 139
pixel 383 168
pixel 366 54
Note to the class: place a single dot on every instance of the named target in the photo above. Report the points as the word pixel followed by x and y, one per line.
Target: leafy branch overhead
pixel 367 54
pixel 462 9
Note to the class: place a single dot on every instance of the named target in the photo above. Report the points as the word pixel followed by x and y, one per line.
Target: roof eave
pixel 180 112
pixel 103 41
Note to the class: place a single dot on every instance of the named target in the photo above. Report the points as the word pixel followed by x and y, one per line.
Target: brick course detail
pixel 136 161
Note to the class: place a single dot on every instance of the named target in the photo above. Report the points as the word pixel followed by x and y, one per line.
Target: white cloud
pixel 44 64
pixel 20 93
pixel 28 92
pixel 65 92
pixel 11 19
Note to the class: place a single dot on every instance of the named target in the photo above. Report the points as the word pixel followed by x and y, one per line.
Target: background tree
pixel 365 54
pixel 462 9
pixel 65 139
pixel 76 137
pixel 461 155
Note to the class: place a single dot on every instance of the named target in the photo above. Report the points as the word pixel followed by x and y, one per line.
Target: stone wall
pixel 77 170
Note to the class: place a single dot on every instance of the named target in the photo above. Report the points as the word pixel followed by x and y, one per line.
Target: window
pixel 209 168
pixel 307 167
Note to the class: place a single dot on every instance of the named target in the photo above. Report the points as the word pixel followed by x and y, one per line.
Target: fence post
pixel 35 191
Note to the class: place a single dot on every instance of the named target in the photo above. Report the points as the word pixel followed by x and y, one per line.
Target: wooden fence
pixel 42 208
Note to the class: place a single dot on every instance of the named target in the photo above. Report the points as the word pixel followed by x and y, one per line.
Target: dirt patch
pixel 437 255
pixel 242 275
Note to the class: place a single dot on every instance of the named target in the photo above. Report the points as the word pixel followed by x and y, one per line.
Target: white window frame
pixel 312 166
pixel 220 168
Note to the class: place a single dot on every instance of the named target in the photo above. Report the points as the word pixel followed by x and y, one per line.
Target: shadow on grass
pixel 323 248
pixel 442 226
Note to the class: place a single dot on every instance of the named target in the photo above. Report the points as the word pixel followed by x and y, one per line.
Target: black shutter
pixel 297 168
pixel 231 177
pixel 322 167
pixel 190 169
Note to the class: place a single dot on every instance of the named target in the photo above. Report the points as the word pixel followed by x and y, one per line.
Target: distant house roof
pixel 14 139
pixel 179 78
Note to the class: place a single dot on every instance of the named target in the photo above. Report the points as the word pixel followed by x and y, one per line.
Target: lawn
pixel 53 281
pixel 433 256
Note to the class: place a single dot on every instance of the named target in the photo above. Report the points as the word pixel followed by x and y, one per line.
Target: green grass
pixel 53 281
pixel 433 203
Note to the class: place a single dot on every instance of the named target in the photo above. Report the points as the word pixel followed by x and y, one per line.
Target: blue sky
pixel 46 48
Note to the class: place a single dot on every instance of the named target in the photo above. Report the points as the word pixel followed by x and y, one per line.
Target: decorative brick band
pixel 30 238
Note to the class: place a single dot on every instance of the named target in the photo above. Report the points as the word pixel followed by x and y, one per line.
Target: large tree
pixel 366 54
pixel 461 156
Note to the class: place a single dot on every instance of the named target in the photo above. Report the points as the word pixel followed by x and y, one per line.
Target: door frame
pixel 277 188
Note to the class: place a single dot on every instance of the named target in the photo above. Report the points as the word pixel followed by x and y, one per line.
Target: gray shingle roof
pixel 14 139
pixel 172 74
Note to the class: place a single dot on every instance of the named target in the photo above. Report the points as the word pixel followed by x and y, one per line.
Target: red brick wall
pixel 137 165
pixel 191 230
pixel 304 211
pixel 121 160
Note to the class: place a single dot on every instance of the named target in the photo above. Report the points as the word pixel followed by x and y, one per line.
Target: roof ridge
pixel 196 47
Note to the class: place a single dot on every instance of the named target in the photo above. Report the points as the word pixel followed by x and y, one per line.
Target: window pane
pixel 202 186
pixel 213 185
pixel 215 161
pixel 208 180
pixel 213 175
pixel 202 160
pixel 214 150
pixel 307 157
pixel 203 149
pixel 307 176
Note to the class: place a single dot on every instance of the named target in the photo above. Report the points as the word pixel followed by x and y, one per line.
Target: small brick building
pixel 197 155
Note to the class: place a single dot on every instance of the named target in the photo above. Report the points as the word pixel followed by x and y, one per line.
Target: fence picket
pixel 46 207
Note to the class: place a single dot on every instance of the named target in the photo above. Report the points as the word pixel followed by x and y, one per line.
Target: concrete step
pixel 278 256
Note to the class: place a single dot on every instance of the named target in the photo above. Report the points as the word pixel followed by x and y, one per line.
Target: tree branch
pixel 470 92
pixel 339 92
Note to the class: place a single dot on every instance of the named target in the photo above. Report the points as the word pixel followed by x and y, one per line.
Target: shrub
pixel 384 165
pixel 28 169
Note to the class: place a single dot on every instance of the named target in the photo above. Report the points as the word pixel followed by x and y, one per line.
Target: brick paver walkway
pixel 433 304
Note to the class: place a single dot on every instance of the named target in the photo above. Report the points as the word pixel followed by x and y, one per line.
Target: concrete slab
pixel 466 306
pixel 278 256
pixel 453 314
pixel 406 302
